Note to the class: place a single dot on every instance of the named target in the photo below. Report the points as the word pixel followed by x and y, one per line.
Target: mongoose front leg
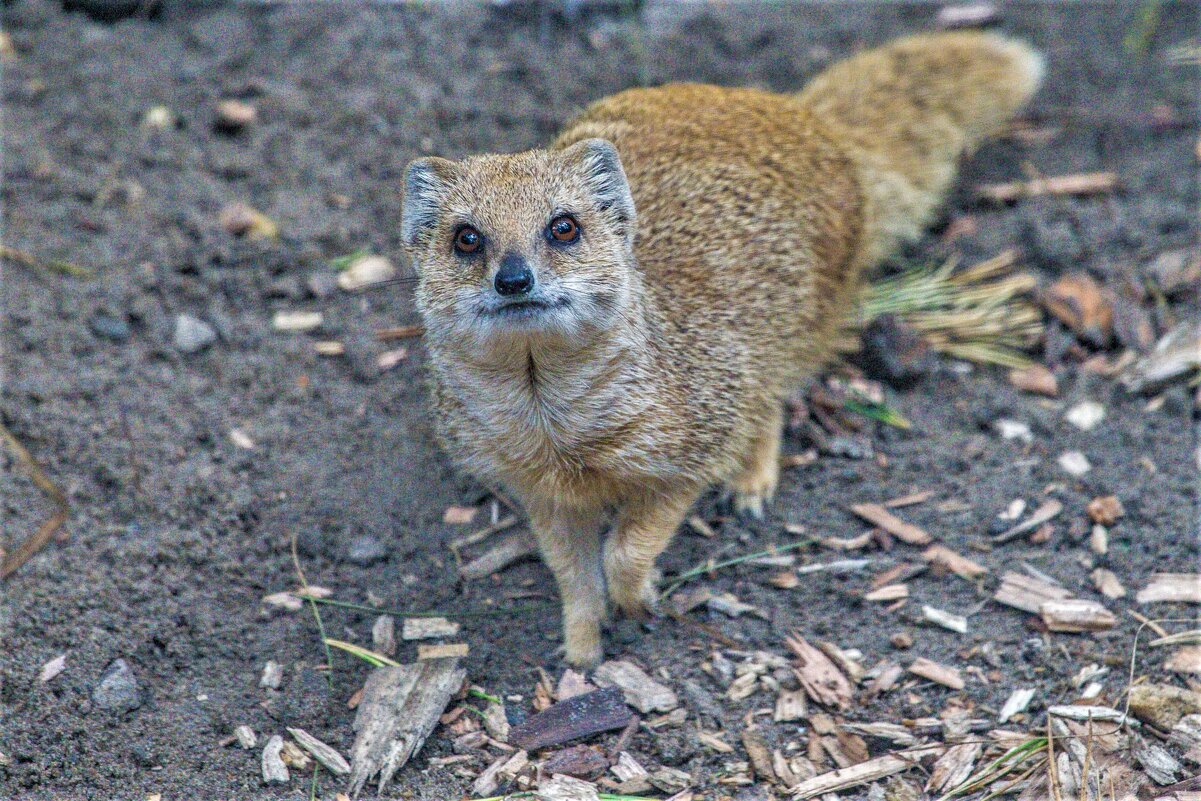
pixel 570 546
pixel 754 487
pixel 641 532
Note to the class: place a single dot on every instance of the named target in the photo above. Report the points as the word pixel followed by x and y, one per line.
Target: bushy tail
pixel 908 110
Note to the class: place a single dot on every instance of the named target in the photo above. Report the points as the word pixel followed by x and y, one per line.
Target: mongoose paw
pixel 584 652
pixel 638 603
pixel 749 505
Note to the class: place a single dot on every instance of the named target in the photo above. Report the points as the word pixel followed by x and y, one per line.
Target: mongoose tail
pixel 908 111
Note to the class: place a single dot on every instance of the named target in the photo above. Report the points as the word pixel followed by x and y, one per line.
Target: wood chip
pixel 330 347
pixel 366 271
pixel 329 758
pixel 870 771
pixel 448 650
pixel 383 635
pixel 824 682
pixel 1171 588
pixel 1026 593
pixel 713 741
pixel 1037 379
pixel 1185 660
pixel 1086 713
pixel 400 707
pixel 245 736
pixel 428 628
pixel 512 549
pixel 760 754
pixel 953 767
pixel 1017 702
pixel 1047 511
pixel 580 761
pixel 1090 183
pixel 274 769
pixel 877 515
pixel 1076 615
pixel 939 674
pixel 571 684
pixel 399 332
pixel 296 321
pixel 698 524
pixel 910 500
pixel 566 788
pixel 1106 510
pixel 1163 705
pixel 52 668
pixel 961 566
pixel 1107 583
pixel 487 782
pixel 844 661
pixel 790 706
pixel 578 716
pixel 889 592
pixel 640 690
pixel 887 676
pixel 947 620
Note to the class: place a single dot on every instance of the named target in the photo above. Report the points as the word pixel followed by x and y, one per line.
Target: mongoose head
pixel 510 248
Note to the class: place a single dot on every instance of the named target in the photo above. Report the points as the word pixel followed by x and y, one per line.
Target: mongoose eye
pixel 564 229
pixel 468 240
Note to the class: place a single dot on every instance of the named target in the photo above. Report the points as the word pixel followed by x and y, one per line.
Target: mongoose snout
pixel 645 322
pixel 514 276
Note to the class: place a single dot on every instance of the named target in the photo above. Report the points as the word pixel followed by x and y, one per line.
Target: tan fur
pixel 684 319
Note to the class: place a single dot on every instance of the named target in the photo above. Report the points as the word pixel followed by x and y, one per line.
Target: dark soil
pixel 177 533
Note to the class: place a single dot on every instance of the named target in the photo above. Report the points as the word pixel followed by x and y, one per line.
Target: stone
pixel 118 689
pixel 192 334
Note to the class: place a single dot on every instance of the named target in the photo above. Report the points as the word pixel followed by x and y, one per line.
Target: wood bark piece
pixel 947 620
pixel 640 690
pixel 1026 593
pixel 824 682
pixel 864 772
pixel 1017 702
pixel 328 756
pixel 511 549
pixel 426 652
pixel 1186 660
pixel 576 717
pixel 953 767
pixel 889 592
pixel 960 565
pixel 1087 183
pixel 1108 584
pixel 1042 514
pixel 877 515
pixel 400 707
pixel 1172 588
pixel 565 788
pixel 274 769
pixel 1076 615
pixel 940 674
pixel 426 628
pixel 790 706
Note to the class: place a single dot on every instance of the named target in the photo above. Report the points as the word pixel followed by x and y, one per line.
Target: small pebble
pixel 110 328
pixel 234 115
pixel 1075 463
pixel 273 675
pixel 1085 416
pixel 159 118
pixel 366 550
pixel 1012 429
pixel 118 689
pixel 192 335
pixel 901 640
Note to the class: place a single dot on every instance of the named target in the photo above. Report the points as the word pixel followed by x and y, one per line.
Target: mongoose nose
pixel 514 276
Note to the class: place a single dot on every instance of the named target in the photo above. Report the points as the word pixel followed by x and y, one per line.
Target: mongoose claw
pixel 749 505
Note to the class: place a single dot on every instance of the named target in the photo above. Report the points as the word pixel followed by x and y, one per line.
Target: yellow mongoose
pixel 613 322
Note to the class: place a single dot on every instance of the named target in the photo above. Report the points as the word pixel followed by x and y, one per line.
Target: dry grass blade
pixel 979 314
pixel 50 265
pixel 38 540
pixel 1002 766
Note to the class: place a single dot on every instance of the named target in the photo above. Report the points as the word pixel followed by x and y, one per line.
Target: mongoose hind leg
pixel 641 532
pixel 754 486
pixel 571 546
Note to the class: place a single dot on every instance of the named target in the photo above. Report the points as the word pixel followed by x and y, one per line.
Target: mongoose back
pixel 613 322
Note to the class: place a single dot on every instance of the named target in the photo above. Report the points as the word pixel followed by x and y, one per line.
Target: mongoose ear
pixel 601 167
pixel 426 182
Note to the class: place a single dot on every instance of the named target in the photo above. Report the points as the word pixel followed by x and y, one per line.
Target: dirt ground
pixel 177 532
